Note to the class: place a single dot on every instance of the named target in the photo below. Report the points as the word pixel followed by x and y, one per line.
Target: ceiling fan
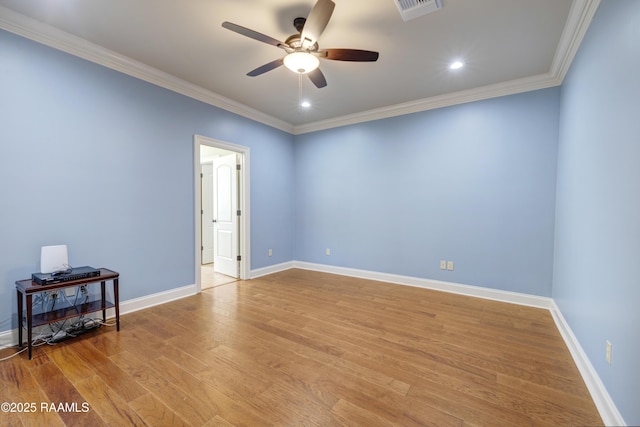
pixel 303 53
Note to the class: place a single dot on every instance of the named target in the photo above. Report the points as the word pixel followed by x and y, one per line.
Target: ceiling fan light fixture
pixel 301 62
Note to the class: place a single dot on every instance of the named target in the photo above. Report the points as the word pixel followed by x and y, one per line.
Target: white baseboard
pixel 607 409
pixel 456 288
pixel 259 272
pixel 10 338
pixel 147 301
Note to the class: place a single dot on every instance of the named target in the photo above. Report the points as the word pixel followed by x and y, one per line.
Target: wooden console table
pixel 27 288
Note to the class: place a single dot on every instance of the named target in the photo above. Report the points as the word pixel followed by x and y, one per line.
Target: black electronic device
pixel 66 276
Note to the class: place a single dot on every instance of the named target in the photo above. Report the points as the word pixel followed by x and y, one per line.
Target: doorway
pixel 222 212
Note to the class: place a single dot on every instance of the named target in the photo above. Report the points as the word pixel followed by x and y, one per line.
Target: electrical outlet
pixel 328 252
pixel 450 265
pixel 270 252
pixel 608 352
pixel 443 265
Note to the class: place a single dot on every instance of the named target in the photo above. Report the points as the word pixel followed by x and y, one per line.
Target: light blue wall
pixel 474 184
pixel 103 162
pixel 597 266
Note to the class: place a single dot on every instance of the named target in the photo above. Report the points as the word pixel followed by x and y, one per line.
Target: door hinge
pixel 201 175
pixel 201 211
pixel 238 167
pixel 239 212
pixel 202 248
pixel 239 258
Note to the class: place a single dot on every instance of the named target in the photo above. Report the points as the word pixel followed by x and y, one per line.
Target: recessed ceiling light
pixel 456 65
pixel 305 104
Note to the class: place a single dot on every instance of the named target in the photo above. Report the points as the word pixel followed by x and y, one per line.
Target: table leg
pixel 19 318
pixel 116 302
pixel 104 301
pixel 29 325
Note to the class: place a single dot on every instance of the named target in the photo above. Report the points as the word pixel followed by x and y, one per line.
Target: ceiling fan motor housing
pixel 295 42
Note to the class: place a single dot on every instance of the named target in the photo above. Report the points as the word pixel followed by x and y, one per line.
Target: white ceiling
pixel 508 46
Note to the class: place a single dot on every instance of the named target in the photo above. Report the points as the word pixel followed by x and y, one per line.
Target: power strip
pixel 72 332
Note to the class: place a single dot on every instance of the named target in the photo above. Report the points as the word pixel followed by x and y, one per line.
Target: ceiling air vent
pixel 411 9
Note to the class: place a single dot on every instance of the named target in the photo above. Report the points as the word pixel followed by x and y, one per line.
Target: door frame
pixel 244 204
pixel 205 169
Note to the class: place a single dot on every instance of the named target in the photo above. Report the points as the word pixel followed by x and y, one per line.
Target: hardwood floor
pixel 302 348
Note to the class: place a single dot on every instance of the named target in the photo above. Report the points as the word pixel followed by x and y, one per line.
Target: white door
pixel 207 213
pixel 225 216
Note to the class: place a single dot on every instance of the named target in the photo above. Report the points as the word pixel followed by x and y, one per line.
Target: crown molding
pixel 47 35
pixel 578 21
pixel 511 87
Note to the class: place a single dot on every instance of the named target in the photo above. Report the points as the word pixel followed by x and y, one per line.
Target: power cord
pixel 38 341
pixel 65 270
pixel 13 355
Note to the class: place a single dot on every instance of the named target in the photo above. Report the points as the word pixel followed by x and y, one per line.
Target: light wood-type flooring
pixel 301 348
pixel 209 278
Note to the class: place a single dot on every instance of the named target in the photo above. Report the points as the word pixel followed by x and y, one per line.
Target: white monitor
pixel 53 258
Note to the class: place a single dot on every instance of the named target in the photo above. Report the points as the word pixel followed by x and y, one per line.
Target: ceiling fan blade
pixel 266 67
pixel 317 78
pixel 316 22
pixel 253 34
pixel 349 55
